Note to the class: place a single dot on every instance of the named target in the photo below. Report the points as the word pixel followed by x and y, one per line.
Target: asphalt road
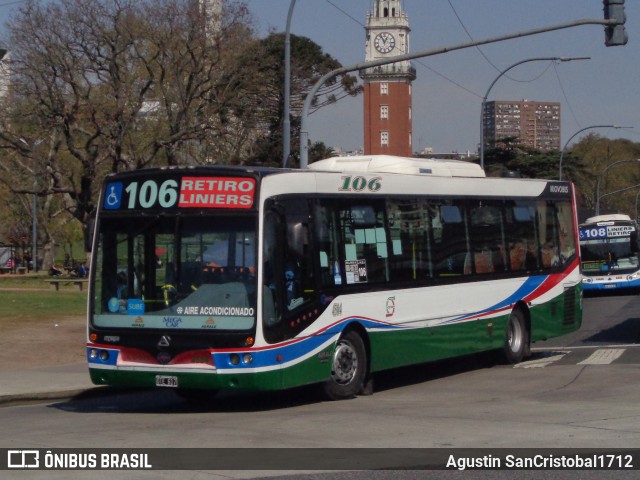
pixel 579 391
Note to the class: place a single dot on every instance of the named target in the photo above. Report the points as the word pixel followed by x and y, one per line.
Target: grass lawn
pixel 35 302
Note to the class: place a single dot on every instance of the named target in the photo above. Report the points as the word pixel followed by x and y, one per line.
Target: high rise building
pixel 535 124
pixel 387 88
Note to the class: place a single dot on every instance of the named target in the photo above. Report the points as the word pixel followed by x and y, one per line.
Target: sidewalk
pixel 44 383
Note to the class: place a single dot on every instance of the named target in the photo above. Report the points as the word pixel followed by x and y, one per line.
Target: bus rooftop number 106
pixel 609 246
pixel 221 278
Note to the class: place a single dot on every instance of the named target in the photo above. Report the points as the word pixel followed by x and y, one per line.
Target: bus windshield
pixel 608 252
pixel 180 272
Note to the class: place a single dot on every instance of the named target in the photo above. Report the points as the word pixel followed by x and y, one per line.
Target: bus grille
pixel 569 306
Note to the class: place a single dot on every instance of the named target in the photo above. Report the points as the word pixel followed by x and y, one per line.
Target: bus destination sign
pixel 187 192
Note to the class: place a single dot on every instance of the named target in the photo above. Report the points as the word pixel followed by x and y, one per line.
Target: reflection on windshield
pixel 187 273
pixel 612 255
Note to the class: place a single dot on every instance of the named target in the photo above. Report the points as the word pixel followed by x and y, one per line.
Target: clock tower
pixel 387 88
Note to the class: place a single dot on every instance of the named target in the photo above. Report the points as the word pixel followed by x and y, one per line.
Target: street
pixel 579 391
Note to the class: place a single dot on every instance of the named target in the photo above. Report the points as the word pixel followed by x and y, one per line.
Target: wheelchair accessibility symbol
pixel 113 196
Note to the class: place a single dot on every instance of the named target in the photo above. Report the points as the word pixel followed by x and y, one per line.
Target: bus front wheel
pixel 516 343
pixel 348 368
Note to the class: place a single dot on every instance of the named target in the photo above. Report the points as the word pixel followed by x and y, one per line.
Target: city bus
pixel 212 278
pixel 609 246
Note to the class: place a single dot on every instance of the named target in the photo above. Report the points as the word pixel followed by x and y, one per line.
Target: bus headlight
pixel 93 354
pixel 234 358
pixel 247 358
pixel 633 276
pixel 587 280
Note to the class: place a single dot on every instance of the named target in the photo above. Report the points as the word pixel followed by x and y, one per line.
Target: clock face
pixel 384 42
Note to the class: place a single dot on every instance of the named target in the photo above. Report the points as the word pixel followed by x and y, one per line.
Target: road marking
pixel 541 362
pixel 603 356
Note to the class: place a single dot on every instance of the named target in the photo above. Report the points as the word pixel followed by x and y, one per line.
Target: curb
pixel 6 400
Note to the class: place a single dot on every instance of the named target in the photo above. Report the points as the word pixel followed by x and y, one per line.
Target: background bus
pixel 609 249
pixel 214 278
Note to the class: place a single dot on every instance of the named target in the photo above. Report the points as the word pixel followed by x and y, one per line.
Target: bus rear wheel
pixel 516 344
pixel 348 368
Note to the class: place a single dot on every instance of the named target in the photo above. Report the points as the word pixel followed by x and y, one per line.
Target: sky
pixel 448 90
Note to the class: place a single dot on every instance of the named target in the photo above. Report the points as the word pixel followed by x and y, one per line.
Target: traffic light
pixel 615 35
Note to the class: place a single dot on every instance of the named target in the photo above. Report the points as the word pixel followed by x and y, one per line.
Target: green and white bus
pixel 221 278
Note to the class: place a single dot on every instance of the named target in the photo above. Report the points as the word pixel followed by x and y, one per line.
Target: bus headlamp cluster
pixel 246 359
pixel 587 280
pixel 633 276
pixel 95 353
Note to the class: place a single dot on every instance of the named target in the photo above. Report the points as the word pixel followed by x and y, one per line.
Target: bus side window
pixel 487 236
pixel 298 264
pixel 271 311
pixel 548 234
pixel 452 249
pixel 521 230
pixel 328 244
pixel 565 221
pixel 409 228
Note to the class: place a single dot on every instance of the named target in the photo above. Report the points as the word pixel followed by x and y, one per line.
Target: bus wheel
pixel 516 344
pixel 348 368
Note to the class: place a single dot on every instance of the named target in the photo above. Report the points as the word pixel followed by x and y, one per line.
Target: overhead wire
pixel 553 63
pixel 566 99
pixel 330 2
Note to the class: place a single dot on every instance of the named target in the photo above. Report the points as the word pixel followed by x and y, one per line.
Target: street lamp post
pixel 598 197
pixel 286 125
pixel 34 207
pixel 486 95
pixel 572 136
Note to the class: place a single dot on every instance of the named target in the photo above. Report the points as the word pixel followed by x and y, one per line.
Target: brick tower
pixel 387 89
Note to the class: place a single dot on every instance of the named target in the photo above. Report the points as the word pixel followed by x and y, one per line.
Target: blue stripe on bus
pixel 298 348
pixel 530 285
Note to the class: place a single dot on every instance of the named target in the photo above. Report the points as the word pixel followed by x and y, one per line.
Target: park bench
pixel 19 270
pixel 79 283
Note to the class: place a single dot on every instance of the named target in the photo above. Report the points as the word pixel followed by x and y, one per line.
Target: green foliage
pixel 586 163
pixel 507 156
pixel 308 64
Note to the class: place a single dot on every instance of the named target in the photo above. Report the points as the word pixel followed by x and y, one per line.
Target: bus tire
pixel 516 344
pixel 348 367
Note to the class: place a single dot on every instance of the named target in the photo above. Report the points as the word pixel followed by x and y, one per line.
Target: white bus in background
pixel 609 250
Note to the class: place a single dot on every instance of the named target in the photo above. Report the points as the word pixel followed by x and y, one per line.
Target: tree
pixel 591 158
pixel 100 86
pixel 308 64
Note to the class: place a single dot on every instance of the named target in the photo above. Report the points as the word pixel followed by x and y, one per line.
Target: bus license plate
pixel 610 286
pixel 166 381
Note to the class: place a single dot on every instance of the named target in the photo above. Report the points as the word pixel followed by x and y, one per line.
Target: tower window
pixel 384 111
pixel 384 88
pixel 384 138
